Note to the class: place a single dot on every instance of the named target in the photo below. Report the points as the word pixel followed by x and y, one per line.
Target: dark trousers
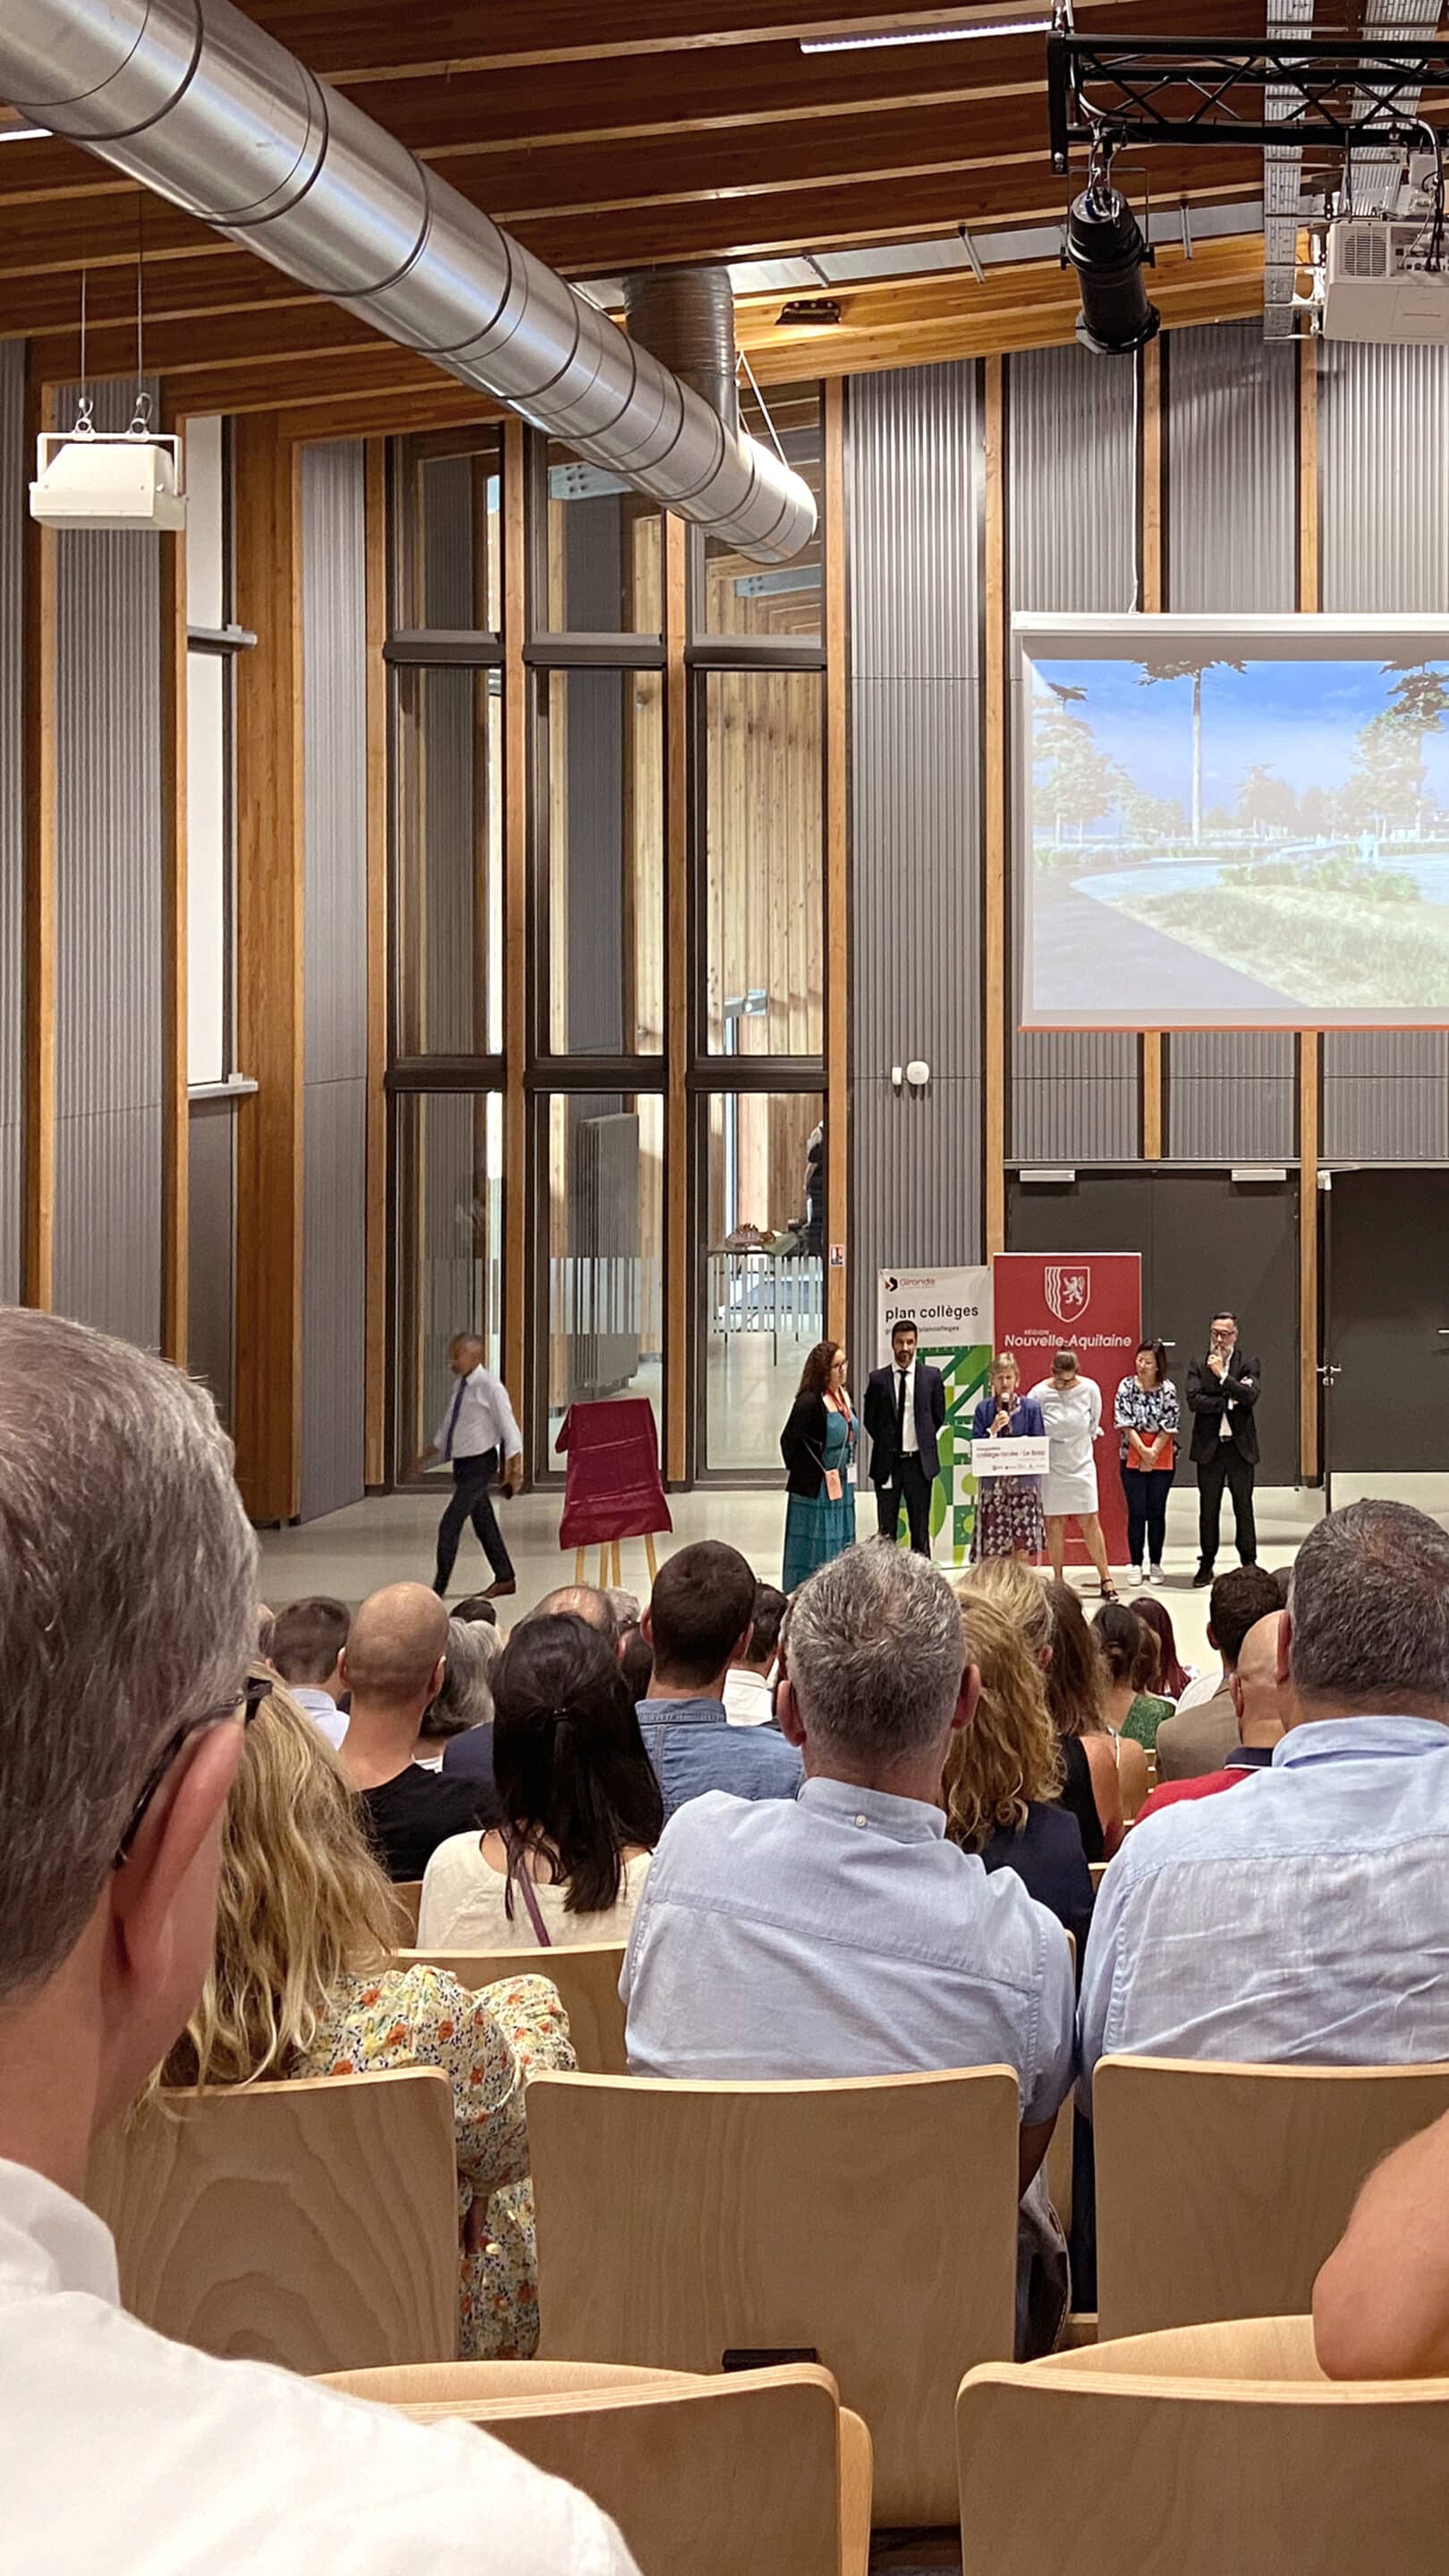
pixel 1146 1489
pixel 470 1502
pixel 1225 1467
pixel 908 1483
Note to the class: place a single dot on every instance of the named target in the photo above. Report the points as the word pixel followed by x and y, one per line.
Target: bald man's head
pixel 395 1645
pixel 580 1601
pixel 1264 1701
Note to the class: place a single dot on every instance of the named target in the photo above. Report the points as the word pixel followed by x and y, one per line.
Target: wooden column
pixel 676 1008
pixel 516 1193
pixel 1310 1044
pixel 38 1243
pixel 1151 1066
pixel 995 1017
pixel 837 867
pixel 175 945
pixel 374 1439
pixel 269 978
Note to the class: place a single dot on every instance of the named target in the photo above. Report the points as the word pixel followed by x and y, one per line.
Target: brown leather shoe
pixel 496 1591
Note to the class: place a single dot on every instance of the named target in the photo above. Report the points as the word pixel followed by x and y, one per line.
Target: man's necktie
pixel 453 1419
pixel 900 1408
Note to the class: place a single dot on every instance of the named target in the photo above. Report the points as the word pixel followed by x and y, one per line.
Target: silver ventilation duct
pixel 194 100
pixel 686 316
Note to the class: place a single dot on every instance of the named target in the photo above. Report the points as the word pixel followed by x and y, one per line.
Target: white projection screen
pixel 1231 822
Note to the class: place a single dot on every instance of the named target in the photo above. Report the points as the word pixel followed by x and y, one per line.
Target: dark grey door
pixel 1203 1239
pixel 1388 1322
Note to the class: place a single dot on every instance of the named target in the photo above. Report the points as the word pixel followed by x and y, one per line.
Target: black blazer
pixel 878 1413
pixel 802 1446
pixel 1206 1397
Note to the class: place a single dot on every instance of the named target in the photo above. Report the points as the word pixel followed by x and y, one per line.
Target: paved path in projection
pixel 1091 957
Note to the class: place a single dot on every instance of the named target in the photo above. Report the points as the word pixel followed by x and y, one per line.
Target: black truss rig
pixel 1345 92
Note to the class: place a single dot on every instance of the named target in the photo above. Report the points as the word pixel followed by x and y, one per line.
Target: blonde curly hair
pixel 302 1904
pixel 1009 1758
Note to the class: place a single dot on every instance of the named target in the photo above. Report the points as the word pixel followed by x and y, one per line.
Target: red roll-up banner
pixel 1091 1302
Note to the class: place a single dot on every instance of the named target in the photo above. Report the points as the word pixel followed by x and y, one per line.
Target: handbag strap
pixel 517 1862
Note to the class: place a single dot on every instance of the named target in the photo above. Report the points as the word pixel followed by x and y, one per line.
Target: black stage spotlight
pixel 1105 246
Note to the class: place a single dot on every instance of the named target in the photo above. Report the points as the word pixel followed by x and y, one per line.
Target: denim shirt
pixel 1304 1919
pixel 693 1748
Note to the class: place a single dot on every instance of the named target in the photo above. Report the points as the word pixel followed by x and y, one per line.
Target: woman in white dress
pixel 1072 1411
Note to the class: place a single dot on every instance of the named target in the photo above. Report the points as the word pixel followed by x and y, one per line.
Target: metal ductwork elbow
pixel 197 102
pixel 686 318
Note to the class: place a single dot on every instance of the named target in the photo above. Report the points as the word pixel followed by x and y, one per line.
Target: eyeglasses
pixel 246 1704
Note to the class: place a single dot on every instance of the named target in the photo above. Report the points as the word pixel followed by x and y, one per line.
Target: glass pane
pixel 604 553
pixel 605 1251
pixel 744 598
pixel 206 546
pixel 449 547
pixel 449 1248
pixel 763 1267
pixel 764 953
pixel 449 770
pixel 603 816
pixel 208 892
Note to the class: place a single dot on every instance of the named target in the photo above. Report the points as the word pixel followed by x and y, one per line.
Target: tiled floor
pixel 391 1539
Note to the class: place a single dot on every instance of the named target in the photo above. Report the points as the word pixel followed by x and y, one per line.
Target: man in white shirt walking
pixel 127 1622
pixel 477 1433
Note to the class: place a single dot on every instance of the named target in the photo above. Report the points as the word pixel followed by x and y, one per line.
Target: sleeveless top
pixel 1077 1794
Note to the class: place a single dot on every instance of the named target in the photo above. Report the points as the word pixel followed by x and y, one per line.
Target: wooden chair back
pixel 761 2472
pixel 587 1977
pixel 1219 2447
pixel 1098 1870
pixel 869 2226
pixel 313 2223
pixel 1221 2189
pixel 407 1896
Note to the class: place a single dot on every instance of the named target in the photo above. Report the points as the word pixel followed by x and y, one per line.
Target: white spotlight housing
pixel 90 478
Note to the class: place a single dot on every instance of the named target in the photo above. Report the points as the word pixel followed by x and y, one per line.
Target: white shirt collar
pixel 50 2241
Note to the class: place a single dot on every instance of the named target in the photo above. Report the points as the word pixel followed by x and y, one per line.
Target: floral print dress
pixel 487 2044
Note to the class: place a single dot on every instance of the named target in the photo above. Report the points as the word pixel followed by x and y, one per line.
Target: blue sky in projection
pixel 1297 719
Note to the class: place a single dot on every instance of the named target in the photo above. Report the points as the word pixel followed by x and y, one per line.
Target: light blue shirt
pixel 1301 1917
pixel 694 1749
pixel 840 1934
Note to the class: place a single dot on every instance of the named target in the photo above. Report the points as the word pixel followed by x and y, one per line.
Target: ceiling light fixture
pixel 925 36
pixel 25 134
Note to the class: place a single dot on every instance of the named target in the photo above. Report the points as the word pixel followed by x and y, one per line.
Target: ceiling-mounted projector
pixel 93 478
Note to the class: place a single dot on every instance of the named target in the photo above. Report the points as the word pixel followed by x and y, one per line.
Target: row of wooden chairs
pixel 868 2226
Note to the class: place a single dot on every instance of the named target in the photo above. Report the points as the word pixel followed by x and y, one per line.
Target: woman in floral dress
pixel 304 1983
pixel 1008 1508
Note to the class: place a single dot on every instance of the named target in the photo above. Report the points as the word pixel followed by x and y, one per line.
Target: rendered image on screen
pixel 1222 833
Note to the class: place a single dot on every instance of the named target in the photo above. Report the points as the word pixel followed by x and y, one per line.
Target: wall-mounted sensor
pixel 917 1072
pixel 897 1077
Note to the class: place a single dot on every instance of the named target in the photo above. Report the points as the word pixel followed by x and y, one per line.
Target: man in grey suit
pixel 1200 1739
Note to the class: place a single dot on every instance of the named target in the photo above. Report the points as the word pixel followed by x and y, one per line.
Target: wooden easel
pixel 609 1573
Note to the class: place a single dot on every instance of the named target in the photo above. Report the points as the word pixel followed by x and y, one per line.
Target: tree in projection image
pixel 1240 839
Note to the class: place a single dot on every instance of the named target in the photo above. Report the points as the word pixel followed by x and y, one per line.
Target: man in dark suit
pixel 1222 1396
pixel 905 1407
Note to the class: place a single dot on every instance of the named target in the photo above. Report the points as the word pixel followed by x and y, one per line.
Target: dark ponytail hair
pixel 1133 1650
pixel 572 1775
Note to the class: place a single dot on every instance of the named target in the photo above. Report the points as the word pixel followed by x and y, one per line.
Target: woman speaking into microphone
pixel 1008 1508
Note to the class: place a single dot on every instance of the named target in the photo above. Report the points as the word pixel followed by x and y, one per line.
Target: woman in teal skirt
pixel 818 1447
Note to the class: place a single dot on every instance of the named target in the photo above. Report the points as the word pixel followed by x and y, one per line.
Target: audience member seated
pixel 1204 1731
pixel 475 1611
pixel 307 1641
pixel 303 1984
pixel 698 1623
pixel 1173 1675
pixel 579 1601
pixel 266 1630
pixel 1003 1773
pixel 1050 1619
pixel 636 1663
pixel 1381 2301
pixel 581 1805
pixel 464 1705
pixel 840 1933
pixel 1133 1653
pixel 1264 1701
pixel 393 1666
pixel 749 1689
pixel 1308 1920
pixel 127 1619
pixel 626 1609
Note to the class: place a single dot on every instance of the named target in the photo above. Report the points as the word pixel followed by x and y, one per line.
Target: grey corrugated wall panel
pixel 1382 440
pixel 334 1008
pixel 1231 545
pixel 1071 518
pixel 108 922
pixel 914 485
pixel 12 807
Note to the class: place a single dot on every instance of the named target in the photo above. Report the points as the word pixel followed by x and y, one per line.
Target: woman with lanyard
pixel 818 1447
pixel 1008 1508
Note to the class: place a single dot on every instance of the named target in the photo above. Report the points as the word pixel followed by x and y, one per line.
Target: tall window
pixel 213 642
